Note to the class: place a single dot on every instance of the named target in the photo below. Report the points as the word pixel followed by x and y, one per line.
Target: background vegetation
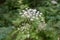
pixel 15 27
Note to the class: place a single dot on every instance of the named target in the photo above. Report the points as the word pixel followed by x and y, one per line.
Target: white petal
pixel 40 13
pixel 54 2
pixel 30 9
pixel 37 18
pixel 28 16
pixel 22 16
pixel 28 35
pixel 18 28
pixel 34 14
pixel 34 10
pixel 20 13
pixel 37 13
pixel 23 10
pixel 26 8
pixel 31 19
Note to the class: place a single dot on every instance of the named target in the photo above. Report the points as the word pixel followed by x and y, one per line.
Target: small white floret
pixel 31 19
pixel 53 2
pixel 22 16
pixel 40 13
pixel 34 10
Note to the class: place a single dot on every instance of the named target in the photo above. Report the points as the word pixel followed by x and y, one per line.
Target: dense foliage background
pixel 15 27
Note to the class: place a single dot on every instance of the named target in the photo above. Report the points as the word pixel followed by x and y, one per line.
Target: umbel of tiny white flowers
pixel 54 2
pixel 31 13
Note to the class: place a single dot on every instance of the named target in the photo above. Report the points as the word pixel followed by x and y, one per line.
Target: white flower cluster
pixel 25 29
pixel 54 2
pixel 31 13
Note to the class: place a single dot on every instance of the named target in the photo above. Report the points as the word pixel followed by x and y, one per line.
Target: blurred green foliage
pixel 11 22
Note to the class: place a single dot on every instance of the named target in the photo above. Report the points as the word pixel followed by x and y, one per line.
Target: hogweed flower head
pixel 31 14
